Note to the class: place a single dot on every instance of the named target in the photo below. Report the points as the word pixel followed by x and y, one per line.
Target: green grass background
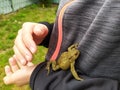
pixel 9 26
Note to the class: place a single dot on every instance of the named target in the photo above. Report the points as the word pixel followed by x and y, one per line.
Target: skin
pixel 20 67
pixel 18 74
pixel 66 61
pixel 25 44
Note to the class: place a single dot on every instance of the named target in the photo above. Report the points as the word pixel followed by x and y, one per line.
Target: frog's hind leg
pixel 74 73
pixel 48 67
pixel 55 66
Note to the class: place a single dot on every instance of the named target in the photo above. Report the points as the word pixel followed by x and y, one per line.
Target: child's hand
pixel 26 41
pixel 16 73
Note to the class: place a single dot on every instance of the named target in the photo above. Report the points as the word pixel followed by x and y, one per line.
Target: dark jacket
pixel 95 25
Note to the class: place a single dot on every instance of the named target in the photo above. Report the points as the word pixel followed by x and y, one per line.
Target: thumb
pixel 40 30
pixel 39 33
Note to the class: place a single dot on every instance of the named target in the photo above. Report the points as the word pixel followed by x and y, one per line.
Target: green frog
pixel 66 61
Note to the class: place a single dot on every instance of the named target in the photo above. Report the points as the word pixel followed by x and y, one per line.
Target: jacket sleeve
pixel 63 80
pixel 47 38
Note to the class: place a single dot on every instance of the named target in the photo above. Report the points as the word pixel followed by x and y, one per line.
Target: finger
pixel 39 33
pixel 27 36
pixel 19 56
pixel 30 64
pixel 22 48
pixel 8 70
pixel 8 80
pixel 20 65
pixel 18 62
pixel 13 64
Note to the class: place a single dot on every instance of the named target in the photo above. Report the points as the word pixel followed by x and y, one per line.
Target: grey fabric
pixel 63 80
pixel 95 25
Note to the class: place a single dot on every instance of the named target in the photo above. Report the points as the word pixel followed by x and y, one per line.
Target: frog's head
pixel 75 53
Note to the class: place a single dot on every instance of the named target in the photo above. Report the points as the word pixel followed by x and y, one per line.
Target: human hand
pixel 27 39
pixel 18 74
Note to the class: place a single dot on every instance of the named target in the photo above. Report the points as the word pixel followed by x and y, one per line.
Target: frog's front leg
pixel 74 73
pixel 55 66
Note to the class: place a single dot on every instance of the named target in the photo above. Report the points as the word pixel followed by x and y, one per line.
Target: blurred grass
pixel 9 26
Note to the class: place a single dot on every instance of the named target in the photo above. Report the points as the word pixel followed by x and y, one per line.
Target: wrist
pixel 31 69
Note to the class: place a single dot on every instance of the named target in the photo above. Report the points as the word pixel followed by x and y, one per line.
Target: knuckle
pixel 15 41
pixel 26 24
pixel 13 46
pixel 19 31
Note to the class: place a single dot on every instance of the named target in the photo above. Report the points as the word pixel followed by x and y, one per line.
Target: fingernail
pixel 38 30
pixel 42 31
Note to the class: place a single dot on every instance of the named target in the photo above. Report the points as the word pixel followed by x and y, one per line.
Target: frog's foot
pixel 74 73
pixel 55 67
pixel 77 77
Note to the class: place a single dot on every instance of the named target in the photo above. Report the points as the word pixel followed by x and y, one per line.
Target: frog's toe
pixel 78 78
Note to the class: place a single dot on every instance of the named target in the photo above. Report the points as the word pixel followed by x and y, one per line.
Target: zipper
pixel 59 42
